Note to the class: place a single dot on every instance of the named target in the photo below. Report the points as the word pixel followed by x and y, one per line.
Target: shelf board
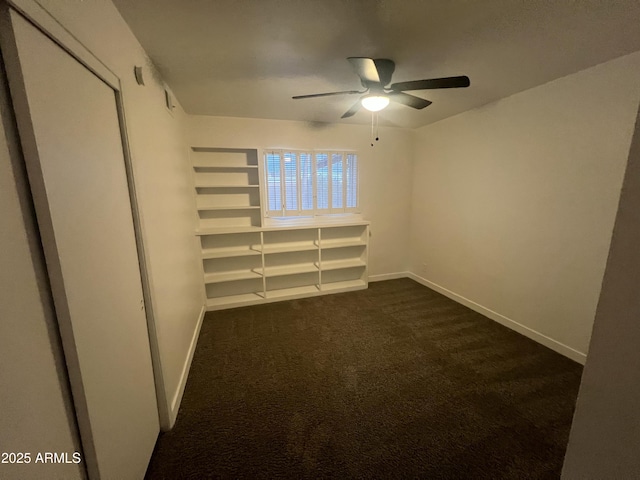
pixel 289 270
pixel 342 244
pixel 230 252
pixel 268 249
pixel 344 285
pixel 237 207
pixel 340 264
pixel 233 300
pixel 231 276
pixel 224 230
pixel 222 166
pixel 294 291
pixel 222 185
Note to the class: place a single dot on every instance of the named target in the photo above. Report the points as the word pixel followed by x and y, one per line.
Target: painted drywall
pixel 605 435
pixel 385 170
pixel 34 393
pixel 164 192
pixel 513 203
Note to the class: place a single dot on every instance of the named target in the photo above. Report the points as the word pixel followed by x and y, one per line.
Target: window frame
pixel 285 212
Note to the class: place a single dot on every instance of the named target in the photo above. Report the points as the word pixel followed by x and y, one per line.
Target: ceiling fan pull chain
pixel 377 127
pixel 372 115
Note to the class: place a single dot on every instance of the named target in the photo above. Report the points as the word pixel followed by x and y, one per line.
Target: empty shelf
pixel 231 276
pixel 294 291
pixel 289 270
pixel 226 253
pixel 344 285
pixel 339 264
pixel 343 243
pixel 234 300
pixel 221 230
pixel 208 185
pixel 238 207
pixel 221 166
pixel 288 248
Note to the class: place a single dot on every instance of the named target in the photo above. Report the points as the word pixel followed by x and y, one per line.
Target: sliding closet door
pixel 69 126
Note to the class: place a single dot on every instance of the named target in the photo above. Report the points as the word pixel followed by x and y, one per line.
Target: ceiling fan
pixel 375 74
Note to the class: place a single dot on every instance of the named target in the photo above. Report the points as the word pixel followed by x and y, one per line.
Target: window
pixel 304 183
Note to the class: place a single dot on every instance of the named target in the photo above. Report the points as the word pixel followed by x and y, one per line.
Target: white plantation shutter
pixel 306 183
pixel 323 175
pixel 291 200
pixel 301 183
pixel 274 183
pixel 337 190
pixel 351 182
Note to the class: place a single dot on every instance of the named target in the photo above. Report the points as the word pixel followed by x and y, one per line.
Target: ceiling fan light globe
pixel 375 103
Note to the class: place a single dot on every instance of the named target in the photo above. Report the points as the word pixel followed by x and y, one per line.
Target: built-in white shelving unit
pixel 246 263
pixel 277 263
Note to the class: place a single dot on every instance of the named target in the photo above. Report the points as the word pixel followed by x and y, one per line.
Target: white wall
pixel 159 158
pixel 605 435
pixel 385 170
pixel 34 393
pixel 513 203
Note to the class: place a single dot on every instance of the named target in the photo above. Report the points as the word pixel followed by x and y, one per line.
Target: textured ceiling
pixel 247 58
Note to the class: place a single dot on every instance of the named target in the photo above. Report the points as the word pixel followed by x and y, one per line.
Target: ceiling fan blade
pixel 409 100
pixel 446 82
pixel 366 69
pixel 352 111
pixel 313 95
pixel 385 69
pixel 378 71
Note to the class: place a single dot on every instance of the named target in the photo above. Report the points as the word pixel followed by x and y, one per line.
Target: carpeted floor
pixel 396 381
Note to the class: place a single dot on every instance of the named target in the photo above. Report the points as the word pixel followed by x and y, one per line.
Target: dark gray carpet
pixel 396 381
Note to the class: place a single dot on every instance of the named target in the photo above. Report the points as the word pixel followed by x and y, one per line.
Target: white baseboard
pixel 507 322
pixel 388 276
pixel 175 404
